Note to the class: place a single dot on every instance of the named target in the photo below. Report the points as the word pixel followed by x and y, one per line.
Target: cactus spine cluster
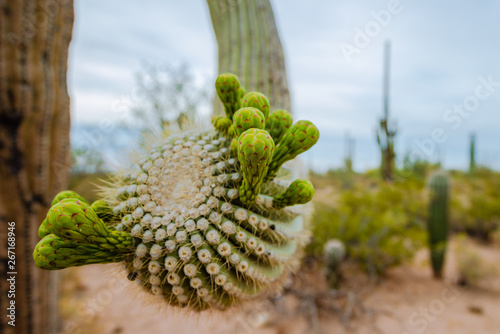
pixel 201 220
pixel 437 224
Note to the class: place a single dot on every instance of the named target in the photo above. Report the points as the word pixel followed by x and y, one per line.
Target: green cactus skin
pixel 437 224
pixel 298 139
pixel 278 124
pixel 230 92
pixel 256 100
pixel 255 151
pixel 53 253
pixel 247 118
pixel 74 235
pixel 299 192
pixel 195 223
pixel 102 210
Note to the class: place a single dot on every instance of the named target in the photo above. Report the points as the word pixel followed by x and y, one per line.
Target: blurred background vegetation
pixel 364 223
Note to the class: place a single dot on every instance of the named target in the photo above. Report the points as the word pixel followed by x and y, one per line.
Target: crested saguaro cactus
pixel 201 221
pixel 437 224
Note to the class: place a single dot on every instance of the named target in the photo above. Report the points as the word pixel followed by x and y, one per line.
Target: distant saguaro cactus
pixel 437 224
pixel 472 154
pixel 201 220
pixel 386 132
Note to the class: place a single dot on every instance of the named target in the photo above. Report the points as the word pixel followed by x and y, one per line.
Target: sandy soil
pixel 98 299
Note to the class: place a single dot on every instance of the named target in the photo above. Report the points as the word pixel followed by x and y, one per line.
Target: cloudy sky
pixel 445 80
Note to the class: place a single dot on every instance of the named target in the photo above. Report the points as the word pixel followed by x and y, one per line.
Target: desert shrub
pixel 472 268
pixel 417 170
pixel 380 227
pixel 475 203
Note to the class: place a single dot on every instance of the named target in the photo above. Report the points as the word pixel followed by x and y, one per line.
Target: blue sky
pixel 442 53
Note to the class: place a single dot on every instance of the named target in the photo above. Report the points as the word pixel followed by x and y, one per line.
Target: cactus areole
pixel 202 221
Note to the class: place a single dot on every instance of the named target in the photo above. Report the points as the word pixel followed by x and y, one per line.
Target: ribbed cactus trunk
pixel 34 148
pixel 437 225
pixel 249 46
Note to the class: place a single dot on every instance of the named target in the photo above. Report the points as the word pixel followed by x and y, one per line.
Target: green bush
pixel 417 170
pixel 383 224
pixel 475 205
pixel 380 226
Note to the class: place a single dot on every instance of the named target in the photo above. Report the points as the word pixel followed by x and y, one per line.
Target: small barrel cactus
pixel 437 224
pixel 202 220
pixel 333 255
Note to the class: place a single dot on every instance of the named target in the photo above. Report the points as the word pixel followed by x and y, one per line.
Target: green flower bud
pixel 229 91
pixel 67 194
pixel 255 151
pixel 53 253
pixel 299 192
pixel 74 230
pixel 222 124
pixel 298 139
pixel 256 100
pixel 247 118
pixel 278 124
